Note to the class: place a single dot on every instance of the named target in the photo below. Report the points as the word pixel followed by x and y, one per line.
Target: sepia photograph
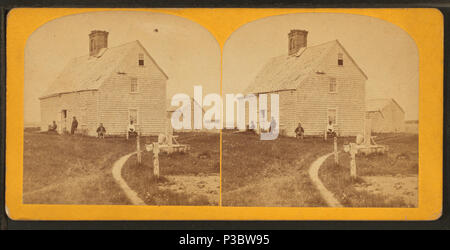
pixel 98 105
pixel 233 114
pixel 345 115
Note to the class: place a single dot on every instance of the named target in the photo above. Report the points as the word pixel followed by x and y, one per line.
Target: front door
pixel 63 122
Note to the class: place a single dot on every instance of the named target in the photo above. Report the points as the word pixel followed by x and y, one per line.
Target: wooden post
pixel 138 149
pixel 367 131
pixel 326 134
pixel 353 151
pixel 156 160
pixel 336 156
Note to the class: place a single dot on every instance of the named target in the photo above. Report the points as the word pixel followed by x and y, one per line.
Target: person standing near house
pixel 299 131
pixel 74 125
pixel 101 131
pixel 273 125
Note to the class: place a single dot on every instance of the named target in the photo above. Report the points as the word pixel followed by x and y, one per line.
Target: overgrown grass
pixel 203 158
pixel 270 173
pixel 401 160
pixel 71 169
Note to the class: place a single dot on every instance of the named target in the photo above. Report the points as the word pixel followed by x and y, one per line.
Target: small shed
pixel 386 116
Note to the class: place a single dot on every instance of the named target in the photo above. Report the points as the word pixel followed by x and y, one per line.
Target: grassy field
pixel 77 170
pixel 270 173
pixel 399 163
pixel 199 163
pixel 71 169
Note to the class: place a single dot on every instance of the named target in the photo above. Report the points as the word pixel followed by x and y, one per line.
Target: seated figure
pixel 330 130
pixel 131 130
pixel 52 127
pixel 101 131
pixel 299 131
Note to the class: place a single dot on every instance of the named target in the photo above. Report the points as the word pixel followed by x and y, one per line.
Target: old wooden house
pixel 112 86
pixel 386 116
pixel 316 84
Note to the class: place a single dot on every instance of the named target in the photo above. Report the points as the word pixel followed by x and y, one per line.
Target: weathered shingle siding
pixel 312 103
pixel 79 104
pixel 115 97
pixel 288 111
pixel 314 98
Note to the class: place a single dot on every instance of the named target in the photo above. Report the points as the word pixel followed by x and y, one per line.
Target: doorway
pixel 63 122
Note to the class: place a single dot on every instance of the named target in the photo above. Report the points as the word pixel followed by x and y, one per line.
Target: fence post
pixel 138 148
pixel 353 151
pixel 156 160
pixel 336 156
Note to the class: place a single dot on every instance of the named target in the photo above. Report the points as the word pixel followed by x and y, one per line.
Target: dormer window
pixel 333 86
pixel 340 59
pixel 134 85
pixel 141 59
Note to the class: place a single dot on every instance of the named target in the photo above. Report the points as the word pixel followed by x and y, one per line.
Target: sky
pixel 185 50
pixel 190 55
pixel 384 51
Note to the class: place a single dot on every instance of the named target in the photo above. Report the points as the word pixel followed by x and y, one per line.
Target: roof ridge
pixel 307 47
pixel 115 47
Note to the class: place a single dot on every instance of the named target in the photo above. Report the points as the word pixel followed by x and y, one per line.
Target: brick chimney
pixel 98 40
pixel 297 40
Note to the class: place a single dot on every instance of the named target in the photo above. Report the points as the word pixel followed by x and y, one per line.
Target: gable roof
pixel 287 72
pixel 89 72
pixel 377 105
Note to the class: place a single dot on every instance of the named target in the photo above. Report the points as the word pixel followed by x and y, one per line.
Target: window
pixel 333 85
pixel 332 116
pixel 141 59
pixel 340 59
pixel 134 85
pixel 133 116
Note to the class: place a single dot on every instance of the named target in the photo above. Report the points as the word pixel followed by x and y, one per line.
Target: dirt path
pixel 314 175
pixel 117 174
